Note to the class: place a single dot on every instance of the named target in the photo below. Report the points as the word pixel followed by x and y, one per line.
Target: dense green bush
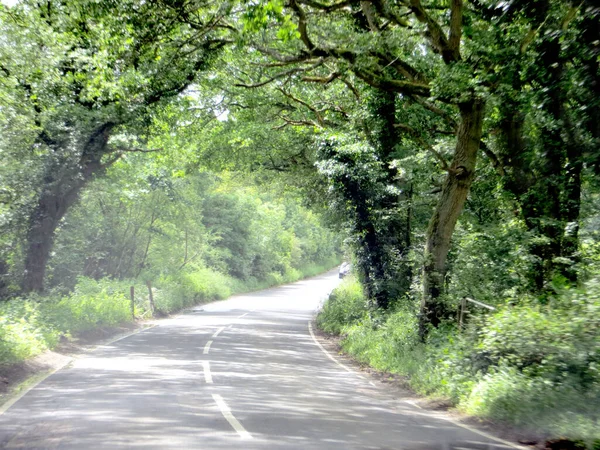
pixel 24 332
pixel 346 305
pixel 91 305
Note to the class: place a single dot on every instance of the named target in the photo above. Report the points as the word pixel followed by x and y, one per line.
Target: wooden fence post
pixel 132 296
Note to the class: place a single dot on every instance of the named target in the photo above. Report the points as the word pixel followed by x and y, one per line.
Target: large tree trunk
pixel 381 222
pixel 450 205
pixel 61 192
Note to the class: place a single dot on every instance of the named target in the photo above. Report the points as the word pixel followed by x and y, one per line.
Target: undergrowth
pixel 536 366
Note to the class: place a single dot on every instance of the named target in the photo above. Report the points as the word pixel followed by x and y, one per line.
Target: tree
pixel 544 121
pixel 411 50
pixel 91 73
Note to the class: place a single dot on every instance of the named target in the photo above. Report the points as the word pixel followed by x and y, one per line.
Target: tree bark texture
pixel 451 202
pixel 60 193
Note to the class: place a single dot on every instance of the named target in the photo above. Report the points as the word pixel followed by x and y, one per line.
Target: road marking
pixel 410 402
pixel 458 424
pixel 207 374
pixel 6 406
pixel 243 315
pixel 237 426
pixel 484 434
pixel 326 352
pixel 207 348
pixel 218 331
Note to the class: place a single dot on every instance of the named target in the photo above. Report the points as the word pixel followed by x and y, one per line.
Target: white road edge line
pixel 207 374
pixel 106 344
pixel 237 426
pixel 310 330
pixel 8 404
pixel 483 433
pixel 466 427
pixel 217 332
pixel 207 348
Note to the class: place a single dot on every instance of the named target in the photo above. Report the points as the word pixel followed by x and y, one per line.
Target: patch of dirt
pixel 12 376
pixel 398 386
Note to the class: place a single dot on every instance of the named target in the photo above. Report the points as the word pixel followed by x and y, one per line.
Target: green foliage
pixel 195 285
pixel 24 330
pixel 345 306
pixel 531 365
pixel 372 207
pixel 560 410
pixel 91 305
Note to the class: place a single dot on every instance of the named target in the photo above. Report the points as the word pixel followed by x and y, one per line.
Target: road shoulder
pixel 19 378
pixel 396 386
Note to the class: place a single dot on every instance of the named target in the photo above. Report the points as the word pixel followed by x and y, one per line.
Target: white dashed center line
pixel 218 331
pixel 207 374
pixel 237 426
pixel 207 348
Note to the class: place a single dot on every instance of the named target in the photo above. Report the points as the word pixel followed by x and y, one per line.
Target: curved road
pixel 243 373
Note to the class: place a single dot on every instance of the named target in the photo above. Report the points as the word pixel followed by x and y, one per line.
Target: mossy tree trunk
pixel 443 221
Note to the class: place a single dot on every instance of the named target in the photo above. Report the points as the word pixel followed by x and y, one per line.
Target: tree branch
pixel 322 80
pixel 400 86
pixel 139 150
pixel 456 16
pixel 280 75
pixel 367 10
pixel 327 8
pixel 493 158
pixel 436 34
pixel 273 78
pixel 303 103
pixel 415 135
pixel 297 123
pixel 352 88
pixel 382 8
pixel 451 121
pixel 302 25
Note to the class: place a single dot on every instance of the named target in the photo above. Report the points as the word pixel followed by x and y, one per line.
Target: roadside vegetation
pixel 202 149
pixel 198 239
pixel 533 366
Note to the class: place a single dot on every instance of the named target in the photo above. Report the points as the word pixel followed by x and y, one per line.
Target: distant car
pixel 345 269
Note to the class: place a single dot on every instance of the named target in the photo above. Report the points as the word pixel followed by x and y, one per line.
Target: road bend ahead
pixel 243 373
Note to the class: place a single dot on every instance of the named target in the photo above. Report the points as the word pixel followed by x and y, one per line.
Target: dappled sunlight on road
pixel 262 382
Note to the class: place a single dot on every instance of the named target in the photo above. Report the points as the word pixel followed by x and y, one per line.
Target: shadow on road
pixel 150 390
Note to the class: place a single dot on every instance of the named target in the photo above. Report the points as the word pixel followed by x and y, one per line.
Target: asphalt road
pixel 243 373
